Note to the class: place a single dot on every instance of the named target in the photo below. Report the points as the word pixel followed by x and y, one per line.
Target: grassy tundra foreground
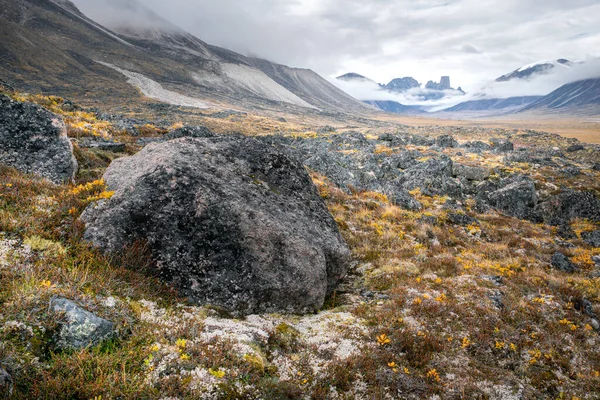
pixel 434 307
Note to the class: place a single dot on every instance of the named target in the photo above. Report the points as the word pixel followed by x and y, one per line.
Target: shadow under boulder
pixel 229 222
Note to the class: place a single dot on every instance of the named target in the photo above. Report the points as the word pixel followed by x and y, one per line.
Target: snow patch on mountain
pixel 154 90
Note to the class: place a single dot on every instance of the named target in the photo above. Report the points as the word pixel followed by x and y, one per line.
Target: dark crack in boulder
pixel 229 221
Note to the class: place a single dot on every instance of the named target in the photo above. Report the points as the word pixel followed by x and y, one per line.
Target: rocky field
pixel 256 258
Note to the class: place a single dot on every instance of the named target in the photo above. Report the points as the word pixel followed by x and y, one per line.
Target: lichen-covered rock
pixel 33 140
pixel 470 173
pixel 502 145
pixel 229 221
pixel 516 197
pixel 591 238
pixel 6 384
pixel 432 177
pixel 80 328
pixel 562 263
pixel 445 141
pixel 477 146
pixel 575 147
pixel 189 131
pixel 563 207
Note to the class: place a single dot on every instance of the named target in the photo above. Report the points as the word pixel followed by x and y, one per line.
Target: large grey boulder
pixel 516 198
pixel 229 221
pixel 33 140
pixel 80 328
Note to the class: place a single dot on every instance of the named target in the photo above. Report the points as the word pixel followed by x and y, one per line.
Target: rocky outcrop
pixel 562 263
pixel 432 177
pixel 79 328
pixel 515 197
pixel 591 238
pixel 229 221
pixel 563 207
pixel 470 173
pixel 34 140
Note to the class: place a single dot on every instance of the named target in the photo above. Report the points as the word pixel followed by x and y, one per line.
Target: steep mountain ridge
pixel 580 96
pixel 51 46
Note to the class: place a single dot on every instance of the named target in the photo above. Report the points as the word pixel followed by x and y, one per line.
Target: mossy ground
pixel 429 309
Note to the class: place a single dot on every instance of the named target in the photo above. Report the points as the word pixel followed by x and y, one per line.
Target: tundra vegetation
pixel 439 303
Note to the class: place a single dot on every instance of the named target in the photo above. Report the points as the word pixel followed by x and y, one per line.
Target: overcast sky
pixel 473 41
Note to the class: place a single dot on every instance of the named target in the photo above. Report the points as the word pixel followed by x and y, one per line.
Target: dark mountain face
pixel 402 84
pixel 578 95
pixel 394 107
pixel 49 46
pixel 493 104
pixel 443 85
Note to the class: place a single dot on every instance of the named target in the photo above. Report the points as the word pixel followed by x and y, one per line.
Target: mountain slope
pixel 51 46
pixel 493 104
pixel 581 95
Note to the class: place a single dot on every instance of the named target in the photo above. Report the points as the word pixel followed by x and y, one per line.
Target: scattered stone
pixel 189 131
pixel 470 173
pixel 495 279
pixel 101 144
pixel 446 141
pixel 502 145
pixel 591 238
pixel 496 296
pixel 596 167
pixel 327 129
pixel 6 384
pixel 584 306
pixel 562 263
pixel 225 114
pixel 34 140
pixel 462 219
pixel 477 146
pixel 571 171
pixel 81 328
pixel 229 222
pixel 575 147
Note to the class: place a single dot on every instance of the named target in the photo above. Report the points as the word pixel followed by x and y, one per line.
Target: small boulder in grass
pixel 79 327
pixel 562 263
pixel 6 384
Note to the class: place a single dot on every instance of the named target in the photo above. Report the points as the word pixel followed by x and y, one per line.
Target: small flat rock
pixel 81 328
